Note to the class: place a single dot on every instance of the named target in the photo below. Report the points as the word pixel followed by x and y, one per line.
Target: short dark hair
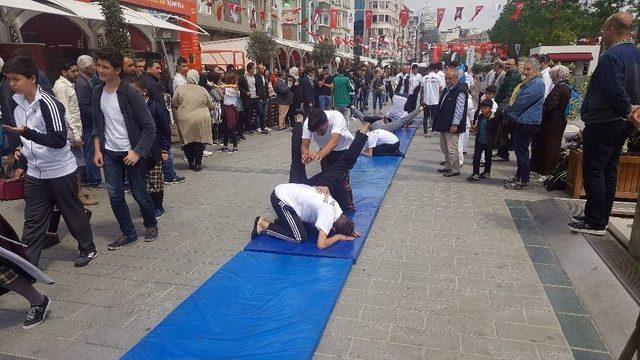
pixel 214 77
pixel 544 59
pixel 414 66
pixel 486 103
pixel 250 66
pixel 150 62
pixel 22 65
pixel 181 61
pixel 454 64
pixel 317 118
pixel 138 84
pixel 113 56
pixel 491 89
pixel 309 70
pixel 343 225
pixel 67 65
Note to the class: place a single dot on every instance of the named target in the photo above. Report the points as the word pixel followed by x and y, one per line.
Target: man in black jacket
pixel 84 88
pixel 123 133
pixel 307 90
pixel 249 97
pixel 610 109
pixel 262 92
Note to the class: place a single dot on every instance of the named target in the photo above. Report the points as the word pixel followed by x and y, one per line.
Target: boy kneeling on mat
pixel 308 200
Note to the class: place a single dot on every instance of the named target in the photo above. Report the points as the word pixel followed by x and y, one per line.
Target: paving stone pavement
pixel 444 273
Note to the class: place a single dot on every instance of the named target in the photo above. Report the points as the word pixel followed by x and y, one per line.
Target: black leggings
pixel 287 226
pixel 193 151
pixel 388 150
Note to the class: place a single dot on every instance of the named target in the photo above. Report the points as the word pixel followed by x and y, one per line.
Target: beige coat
pixel 191 106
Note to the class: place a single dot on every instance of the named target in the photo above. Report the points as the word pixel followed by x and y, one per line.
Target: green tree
pixel 323 52
pixel 115 28
pixel 261 47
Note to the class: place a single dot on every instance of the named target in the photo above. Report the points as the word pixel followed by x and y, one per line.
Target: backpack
pixel 557 181
pixel 574 98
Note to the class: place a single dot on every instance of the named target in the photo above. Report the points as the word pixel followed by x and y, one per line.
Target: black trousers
pixel 388 150
pixel 522 135
pixel 249 107
pixel 40 197
pixel 287 226
pixel 332 175
pixel 193 151
pixel 479 149
pixel 429 116
pixel 602 146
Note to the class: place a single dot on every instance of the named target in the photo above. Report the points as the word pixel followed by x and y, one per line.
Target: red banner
pixel 316 15
pixel 440 15
pixel 333 19
pixel 478 9
pixel 368 19
pixel 518 12
pixel 458 15
pixel 404 18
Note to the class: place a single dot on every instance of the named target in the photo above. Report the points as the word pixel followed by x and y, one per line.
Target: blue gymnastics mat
pixel 370 179
pixel 257 306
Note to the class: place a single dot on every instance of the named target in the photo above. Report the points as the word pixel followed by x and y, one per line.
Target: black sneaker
pixel 122 241
pixel 372 118
pixel 37 314
pixel 485 175
pixel 443 163
pixel 474 177
pixel 151 233
pixel 443 170
pixel 510 180
pixel 579 218
pixel 254 232
pixel 85 258
pixel 176 180
pixel 451 173
pixel 516 186
pixel 583 227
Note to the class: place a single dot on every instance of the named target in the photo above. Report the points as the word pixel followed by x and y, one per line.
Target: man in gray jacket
pixel 123 133
pixel 284 97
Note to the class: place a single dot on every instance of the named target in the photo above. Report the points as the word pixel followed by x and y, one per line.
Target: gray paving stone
pixel 112 336
pixel 434 354
pixel 334 345
pixel 358 329
pixel 425 338
pixel 534 334
pixel 506 349
pixel 393 316
pixel 367 349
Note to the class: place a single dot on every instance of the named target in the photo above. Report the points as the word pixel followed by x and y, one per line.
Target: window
pixel 324 19
pixel 374 5
pixel 386 18
pixel 204 8
pixel 386 5
pixel 380 32
pixel 374 18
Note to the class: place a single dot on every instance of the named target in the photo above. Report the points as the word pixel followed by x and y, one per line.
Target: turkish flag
pixel 518 12
pixel 368 19
pixel 219 12
pixel 478 9
pixel 304 21
pixel 404 17
pixel 458 15
pixel 333 19
pixel 262 15
pixel 337 41
pixel 316 15
pixel 439 16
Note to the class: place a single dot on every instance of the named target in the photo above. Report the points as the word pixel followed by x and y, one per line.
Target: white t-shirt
pixel 312 207
pixel 230 96
pixel 178 81
pixel 442 78
pixel 116 137
pixel 251 80
pixel 431 86
pixel 414 82
pixel 337 125
pixel 379 137
pixel 548 84
pixel 397 108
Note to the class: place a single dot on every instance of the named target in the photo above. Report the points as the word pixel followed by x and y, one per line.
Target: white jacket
pixel 65 92
pixel 45 143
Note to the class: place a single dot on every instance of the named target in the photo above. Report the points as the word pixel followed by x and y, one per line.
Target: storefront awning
pixel 571 57
pixel 92 11
pixel 29 5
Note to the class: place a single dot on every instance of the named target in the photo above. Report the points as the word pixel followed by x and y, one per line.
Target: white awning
pixel 29 5
pixel 92 11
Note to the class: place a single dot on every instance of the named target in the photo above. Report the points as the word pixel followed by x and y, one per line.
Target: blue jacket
pixel 527 109
pixel 614 86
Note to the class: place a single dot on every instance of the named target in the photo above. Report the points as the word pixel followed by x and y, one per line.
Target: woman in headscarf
pixel 547 143
pixel 525 108
pixel 192 104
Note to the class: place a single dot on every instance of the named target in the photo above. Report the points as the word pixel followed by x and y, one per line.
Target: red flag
pixel 458 15
pixel 316 15
pixel 333 19
pixel 219 12
pixel 478 9
pixel 368 19
pixel 337 41
pixel 262 15
pixel 518 12
pixel 404 17
pixel 304 21
pixel 439 16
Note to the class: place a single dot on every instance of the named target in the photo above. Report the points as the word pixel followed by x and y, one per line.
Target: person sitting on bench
pixel 308 200
pixel 381 142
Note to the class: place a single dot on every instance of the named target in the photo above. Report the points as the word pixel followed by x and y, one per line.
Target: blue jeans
pixel 114 172
pixel 325 102
pixel 364 99
pixel 91 175
pixel 261 111
pixel 378 98
pixel 522 135
pixel 167 168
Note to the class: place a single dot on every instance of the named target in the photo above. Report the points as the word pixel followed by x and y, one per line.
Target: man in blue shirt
pixel 610 109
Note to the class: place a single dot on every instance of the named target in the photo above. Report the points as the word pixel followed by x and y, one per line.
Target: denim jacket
pixel 527 108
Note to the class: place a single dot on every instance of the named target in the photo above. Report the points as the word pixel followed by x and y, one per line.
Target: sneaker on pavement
pixel 85 258
pixel 207 153
pixel 516 186
pixel 474 177
pixel 177 180
pixel 485 175
pixel 159 212
pixel 451 173
pixel 499 159
pixel 122 241
pixel 37 314
pixel 151 233
pixel 443 170
pixel 509 180
pixel 579 218
pixel 443 163
pixel 584 228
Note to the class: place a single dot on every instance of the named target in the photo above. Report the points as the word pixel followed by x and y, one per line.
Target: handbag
pixel 11 189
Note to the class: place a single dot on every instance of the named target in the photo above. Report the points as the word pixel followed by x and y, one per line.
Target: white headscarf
pixel 193 77
pixel 294 72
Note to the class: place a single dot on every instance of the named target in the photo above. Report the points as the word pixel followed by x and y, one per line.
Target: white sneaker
pixel 268 129
pixel 207 153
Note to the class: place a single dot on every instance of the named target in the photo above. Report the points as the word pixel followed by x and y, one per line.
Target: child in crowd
pixel 482 128
pixel 159 150
pixel 230 112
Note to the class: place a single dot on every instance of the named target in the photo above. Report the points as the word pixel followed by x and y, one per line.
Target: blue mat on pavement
pixel 370 179
pixel 257 306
